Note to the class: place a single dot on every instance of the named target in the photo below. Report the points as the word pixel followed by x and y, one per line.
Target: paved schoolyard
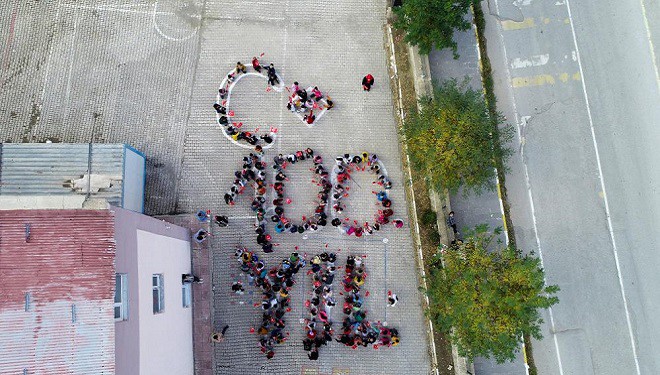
pixel 146 73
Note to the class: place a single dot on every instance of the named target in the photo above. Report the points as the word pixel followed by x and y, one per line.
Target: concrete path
pixel 473 209
pixel 580 80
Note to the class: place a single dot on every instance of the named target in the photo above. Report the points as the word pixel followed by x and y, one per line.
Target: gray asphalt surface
pixel 580 81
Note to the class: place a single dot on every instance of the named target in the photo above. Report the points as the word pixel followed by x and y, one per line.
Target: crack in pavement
pixel 520 17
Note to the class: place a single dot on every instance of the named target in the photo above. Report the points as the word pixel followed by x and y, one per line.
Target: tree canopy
pixel 451 139
pixel 485 299
pixel 431 23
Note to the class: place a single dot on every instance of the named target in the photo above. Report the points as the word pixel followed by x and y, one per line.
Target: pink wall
pixel 133 334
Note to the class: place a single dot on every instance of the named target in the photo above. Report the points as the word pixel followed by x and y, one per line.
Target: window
pixel 158 292
pixel 121 297
pixel 186 294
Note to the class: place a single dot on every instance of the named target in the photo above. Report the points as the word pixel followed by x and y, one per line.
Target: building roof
pixel 57 289
pixel 62 169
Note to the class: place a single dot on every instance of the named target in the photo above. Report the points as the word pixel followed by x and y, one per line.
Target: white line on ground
pixel 73 59
pixel 535 60
pixel 651 46
pixel 165 35
pixel 602 186
pixel 529 191
pixel 279 129
pixel 112 8
pixel 48 59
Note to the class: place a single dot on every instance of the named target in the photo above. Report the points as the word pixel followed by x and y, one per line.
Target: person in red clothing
pixel 367 82
pixel 256 65
pixel 310 118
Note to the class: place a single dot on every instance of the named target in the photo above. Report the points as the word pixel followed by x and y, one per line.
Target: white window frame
pixel 159 280
pixel 186 295
pixel 123 294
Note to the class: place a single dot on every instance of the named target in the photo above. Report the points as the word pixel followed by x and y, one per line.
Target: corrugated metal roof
pixel 61 168
pixel 61 259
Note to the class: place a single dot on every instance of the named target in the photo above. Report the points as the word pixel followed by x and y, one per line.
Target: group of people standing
pixel 319 217
pixel 253 174
pixel 231 128
pixel 347 164
pixel 275 284
pixel 306 100
pixel 356 330
pixel 318 328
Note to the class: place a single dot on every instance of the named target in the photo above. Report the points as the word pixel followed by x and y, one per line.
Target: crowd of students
pixel 341 175
pixel 225 116
pixel 318 325
pixel 253 174
pixel 275 284
pixel 305 101
pixel 356 330
pixel 319 217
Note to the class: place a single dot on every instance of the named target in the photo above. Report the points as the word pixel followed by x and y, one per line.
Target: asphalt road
pixel 580 81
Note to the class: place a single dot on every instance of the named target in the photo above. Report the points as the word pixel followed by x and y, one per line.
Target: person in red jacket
pixel 310 118
pixel 367 82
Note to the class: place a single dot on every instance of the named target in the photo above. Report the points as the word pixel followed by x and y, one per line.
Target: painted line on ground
pixel 48 60
pixel 651 46
pixel 534 60
pixel 544 79
pixel 72 51
pixel 529 194
pixel 607 206
pixel 161 33
pixel 518 25
pixel 112 8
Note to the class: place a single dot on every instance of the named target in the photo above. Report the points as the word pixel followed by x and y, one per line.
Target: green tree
pixel 485 298
pixel 454 142
pixel 431 23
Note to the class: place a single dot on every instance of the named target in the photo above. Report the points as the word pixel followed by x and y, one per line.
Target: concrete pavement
pixel 147 73
pixel 580 80
pixel 472 210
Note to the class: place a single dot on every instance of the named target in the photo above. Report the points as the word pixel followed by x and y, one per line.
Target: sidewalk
pixel 472 210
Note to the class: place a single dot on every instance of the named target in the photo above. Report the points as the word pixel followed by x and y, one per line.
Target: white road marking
pixel 648 37
pixel 535 60
pixel 286 43
pixel 529 194
pixel 574 55
pixel 602 185
pixel 522 2
pixel 112 8
pixel 165 35
pixel 48 59
pixel 72 53
pixel 230 88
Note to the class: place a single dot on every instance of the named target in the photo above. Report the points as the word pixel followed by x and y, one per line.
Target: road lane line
pixel 537 80
pixel 651 46
pixel 602 185
pixel 514 25
pixel 535 60
pixel 512 98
